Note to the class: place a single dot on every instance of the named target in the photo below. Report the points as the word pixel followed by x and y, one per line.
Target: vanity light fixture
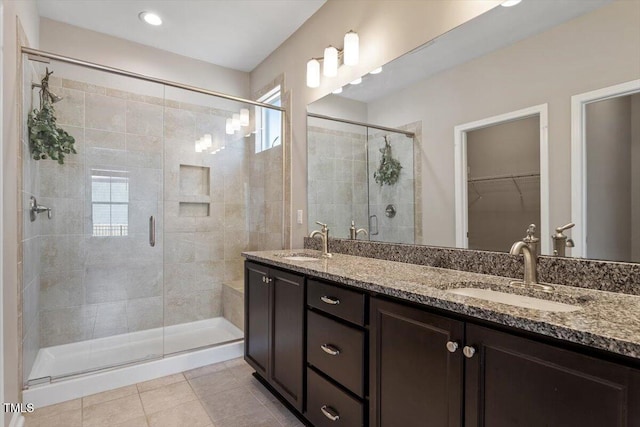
pixel 509 3
pixel 150 18
pixel 331 59
pixel 337 91
pixel 244 117
pixel 376 71
pixel 235 121
pixel 356 81
pixel 229 127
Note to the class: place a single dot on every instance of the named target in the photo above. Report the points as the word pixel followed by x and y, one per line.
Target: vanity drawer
pixel 342 303
pixel 329 406
pixel 337 350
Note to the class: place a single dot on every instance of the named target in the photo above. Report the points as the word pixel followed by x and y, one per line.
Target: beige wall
pixel 608 141
pixel 387 29
pixel 635 177
pixel 587 53
pixel 16 14
pixel 91 46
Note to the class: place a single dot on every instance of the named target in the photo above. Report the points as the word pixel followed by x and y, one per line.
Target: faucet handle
pixel 531 231
pixel 324 226
pixel 565 227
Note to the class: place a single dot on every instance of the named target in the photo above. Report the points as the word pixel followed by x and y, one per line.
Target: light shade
pixel 356 81
pixel 235 121
pixel 376 71
pixel 510 3
pixel 244 117
pixel 207 141
pixel 313 73
pixel 199 146
pixel 337 91
pixel 330 67
pixel 351 48
pixel 229 127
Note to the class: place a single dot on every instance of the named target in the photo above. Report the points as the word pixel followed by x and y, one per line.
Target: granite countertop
pixel 606 320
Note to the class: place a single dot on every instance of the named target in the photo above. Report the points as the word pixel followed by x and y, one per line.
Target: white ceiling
pixel 238 34
pixel 495 29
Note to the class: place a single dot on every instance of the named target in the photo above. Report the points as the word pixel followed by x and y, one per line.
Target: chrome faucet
pixel 324 236
pixel 560 241
pixel 529 248
pixel 353 233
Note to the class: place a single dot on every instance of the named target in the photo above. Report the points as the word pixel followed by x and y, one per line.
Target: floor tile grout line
pixel 198 398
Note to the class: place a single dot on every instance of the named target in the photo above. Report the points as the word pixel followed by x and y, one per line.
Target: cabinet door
pixel 514 381
pixel 414 379
pixel 256 317
pixel 287 339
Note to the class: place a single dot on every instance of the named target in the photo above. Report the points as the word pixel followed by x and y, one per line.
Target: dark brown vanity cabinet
pixel 274 328
pixel 430 370
pixel 414 379
pixel 336 355
pixel 515 381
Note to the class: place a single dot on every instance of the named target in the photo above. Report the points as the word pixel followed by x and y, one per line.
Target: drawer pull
pixel 330 413
pixel 329 349
pixel 330 300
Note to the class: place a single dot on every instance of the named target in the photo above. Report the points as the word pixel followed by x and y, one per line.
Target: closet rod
pixel 497 177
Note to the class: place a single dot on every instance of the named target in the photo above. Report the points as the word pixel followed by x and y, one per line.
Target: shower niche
pixel 194 191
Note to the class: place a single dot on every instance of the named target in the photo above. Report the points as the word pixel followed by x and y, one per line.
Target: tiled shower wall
pixel 210 207
pixel 337 181
pixel 402 227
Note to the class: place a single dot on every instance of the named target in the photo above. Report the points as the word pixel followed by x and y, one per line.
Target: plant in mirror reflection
pixel 389 170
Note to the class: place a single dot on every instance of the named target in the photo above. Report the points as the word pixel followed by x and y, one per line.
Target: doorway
pixel 502 179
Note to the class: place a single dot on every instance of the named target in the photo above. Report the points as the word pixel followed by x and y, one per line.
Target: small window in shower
pixel 110 203
pixel 269 122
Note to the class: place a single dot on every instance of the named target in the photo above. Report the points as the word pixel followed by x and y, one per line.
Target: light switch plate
pixel 299 216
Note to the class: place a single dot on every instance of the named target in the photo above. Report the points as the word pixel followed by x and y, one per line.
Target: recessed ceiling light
pixel 510 3
pixel 357 81
pixel 337 91
pixel 150 18
pixel 376 71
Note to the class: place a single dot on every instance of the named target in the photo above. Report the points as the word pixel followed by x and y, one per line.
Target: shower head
pixel 54 98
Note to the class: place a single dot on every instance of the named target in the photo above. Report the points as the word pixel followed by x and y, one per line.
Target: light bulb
pixel 330 67
pixel 229 127
pixel 313 73
pixel 244 117
pixel 376 71
pixel 337 91
pixel 150 18
pixel 351 48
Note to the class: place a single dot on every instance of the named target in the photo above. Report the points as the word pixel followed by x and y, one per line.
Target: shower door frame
pixel 44 56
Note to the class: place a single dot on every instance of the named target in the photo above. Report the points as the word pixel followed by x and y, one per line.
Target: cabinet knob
pixel 330 349
pixel 452 346
pixel 330 300
pixel 264 279
pixel 468 351
pixel 330 413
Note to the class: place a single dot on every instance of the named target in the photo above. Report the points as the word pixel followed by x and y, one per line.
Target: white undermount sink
pixel 515 300
pixel 300 258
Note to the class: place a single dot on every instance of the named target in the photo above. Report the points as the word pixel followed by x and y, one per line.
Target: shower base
pixel 87 367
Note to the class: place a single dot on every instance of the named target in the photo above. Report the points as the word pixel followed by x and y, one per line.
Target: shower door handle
pixel 373 225
pixel 152 231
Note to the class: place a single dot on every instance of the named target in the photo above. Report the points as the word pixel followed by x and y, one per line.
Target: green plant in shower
pixel 389 170
pixel 46 139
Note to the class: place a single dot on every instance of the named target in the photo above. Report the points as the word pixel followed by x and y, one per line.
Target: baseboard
pixel 17 420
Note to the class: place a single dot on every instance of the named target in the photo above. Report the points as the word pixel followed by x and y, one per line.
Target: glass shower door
pixel 93 272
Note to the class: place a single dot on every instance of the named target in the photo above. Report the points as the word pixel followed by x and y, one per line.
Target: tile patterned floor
pixel 220 395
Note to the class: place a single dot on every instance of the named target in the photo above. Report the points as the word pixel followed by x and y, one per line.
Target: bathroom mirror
pixel 521 63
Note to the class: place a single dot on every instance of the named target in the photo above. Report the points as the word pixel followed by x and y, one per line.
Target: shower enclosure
pixel 342 157
pixel 140 257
